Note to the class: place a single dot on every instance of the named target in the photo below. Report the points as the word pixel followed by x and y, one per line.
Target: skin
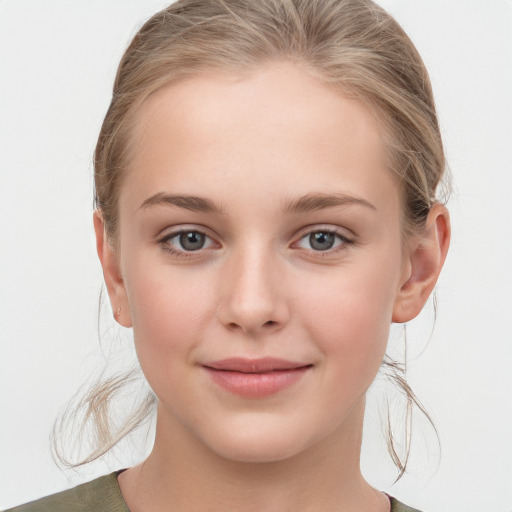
pixel 254 146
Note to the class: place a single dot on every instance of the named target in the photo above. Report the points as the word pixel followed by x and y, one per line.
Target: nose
pixel 252 293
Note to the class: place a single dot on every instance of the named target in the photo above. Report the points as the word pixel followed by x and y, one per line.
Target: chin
pixel 258 452
pixel 259 443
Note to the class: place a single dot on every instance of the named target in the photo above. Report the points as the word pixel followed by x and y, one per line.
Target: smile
pixel 255 378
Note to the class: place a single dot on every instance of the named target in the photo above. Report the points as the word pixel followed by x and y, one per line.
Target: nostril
pixel 235 326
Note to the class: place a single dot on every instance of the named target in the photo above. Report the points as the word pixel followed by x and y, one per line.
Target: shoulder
pixel 396 506
pixel 100 494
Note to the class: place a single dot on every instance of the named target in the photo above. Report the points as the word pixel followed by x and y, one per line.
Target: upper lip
pixel 246 365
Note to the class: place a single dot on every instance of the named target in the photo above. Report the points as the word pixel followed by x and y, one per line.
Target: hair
pixel 353 45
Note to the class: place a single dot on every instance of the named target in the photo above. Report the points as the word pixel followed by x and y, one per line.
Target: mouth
pixel 256 378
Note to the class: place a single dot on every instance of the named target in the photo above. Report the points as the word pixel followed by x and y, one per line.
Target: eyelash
pixel 343 244
pixel 164 242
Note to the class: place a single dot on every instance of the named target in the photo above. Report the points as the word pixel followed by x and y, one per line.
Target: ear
pixel 425 258
pixel 109 259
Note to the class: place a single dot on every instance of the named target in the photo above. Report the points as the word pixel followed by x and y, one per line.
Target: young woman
pixel 266 181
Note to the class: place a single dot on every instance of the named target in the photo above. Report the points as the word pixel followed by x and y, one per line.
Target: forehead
pixel 277 126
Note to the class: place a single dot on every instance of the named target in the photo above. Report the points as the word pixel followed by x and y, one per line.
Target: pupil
pixel 321 241
pixel 192 241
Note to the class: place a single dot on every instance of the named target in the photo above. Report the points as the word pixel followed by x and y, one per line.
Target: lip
pixel 255 378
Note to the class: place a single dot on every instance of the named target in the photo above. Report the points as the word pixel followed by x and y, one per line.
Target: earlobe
pixel 112 273
pixel 426 256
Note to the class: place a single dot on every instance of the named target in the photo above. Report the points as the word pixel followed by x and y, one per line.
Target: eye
pixel 191 240
pixel 185 241
pixel 322 240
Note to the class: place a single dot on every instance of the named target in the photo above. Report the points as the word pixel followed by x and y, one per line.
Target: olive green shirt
pixel 104 495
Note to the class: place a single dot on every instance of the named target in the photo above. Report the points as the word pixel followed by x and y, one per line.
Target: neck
pixel 324 477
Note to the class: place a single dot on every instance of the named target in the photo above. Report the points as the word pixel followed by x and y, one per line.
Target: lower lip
pixel 257 385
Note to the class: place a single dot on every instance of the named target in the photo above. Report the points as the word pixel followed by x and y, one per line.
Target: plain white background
pixel 57 63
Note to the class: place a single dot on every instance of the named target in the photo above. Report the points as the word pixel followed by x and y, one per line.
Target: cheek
pixel 170 313
pixel 351 322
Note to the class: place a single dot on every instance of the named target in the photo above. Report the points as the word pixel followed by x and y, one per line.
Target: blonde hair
pixel 351 44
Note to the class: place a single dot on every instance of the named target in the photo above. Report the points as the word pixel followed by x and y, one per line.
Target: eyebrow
pixel 313 202
pixel 194 203
pixel 304 204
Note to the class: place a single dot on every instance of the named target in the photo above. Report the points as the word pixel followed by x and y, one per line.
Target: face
pixel 260 259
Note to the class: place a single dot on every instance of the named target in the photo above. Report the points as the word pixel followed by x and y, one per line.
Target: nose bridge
pixel 252 295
